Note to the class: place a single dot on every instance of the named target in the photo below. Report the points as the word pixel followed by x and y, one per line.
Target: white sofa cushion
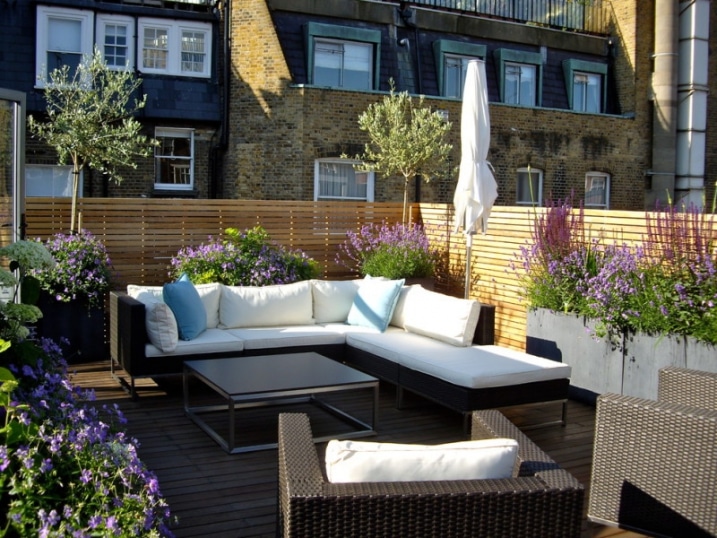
pixel 160 323
pixel 266 306
pixel 333 299
pixel 471 367
pixel 445 318
pixel 208 293
pixel 297 335
pixel 210 341
pixel 357 461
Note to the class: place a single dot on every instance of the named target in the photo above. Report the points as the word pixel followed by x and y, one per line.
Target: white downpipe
pixel 692 88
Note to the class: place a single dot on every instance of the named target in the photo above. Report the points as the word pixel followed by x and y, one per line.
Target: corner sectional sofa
pixel 438 346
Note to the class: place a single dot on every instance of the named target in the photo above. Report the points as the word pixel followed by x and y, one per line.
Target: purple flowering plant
pixel 391 251
pixel 665 285
pixel 247 258
pixel 67 468
pixel 82 269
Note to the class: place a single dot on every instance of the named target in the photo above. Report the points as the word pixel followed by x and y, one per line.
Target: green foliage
pixel 246 258
pixel 90 119
pixel 405 138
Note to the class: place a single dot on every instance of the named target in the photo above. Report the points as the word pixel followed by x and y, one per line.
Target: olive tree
pixel 90 120
pixel 406 138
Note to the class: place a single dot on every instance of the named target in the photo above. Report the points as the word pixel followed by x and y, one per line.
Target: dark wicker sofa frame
pixel 540 500
pixel 655 462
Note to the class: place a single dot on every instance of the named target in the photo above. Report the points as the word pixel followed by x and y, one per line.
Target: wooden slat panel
pixel 142 235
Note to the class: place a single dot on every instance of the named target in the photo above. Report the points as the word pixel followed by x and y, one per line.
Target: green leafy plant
pixel 405 138
pixel 90 120
pixel 397 251
pixel 246 258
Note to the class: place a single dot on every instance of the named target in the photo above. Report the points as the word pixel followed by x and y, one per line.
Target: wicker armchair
pixel 655 462
pixel 543 500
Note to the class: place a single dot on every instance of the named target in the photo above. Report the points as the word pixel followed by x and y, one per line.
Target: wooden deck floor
pixel 213 494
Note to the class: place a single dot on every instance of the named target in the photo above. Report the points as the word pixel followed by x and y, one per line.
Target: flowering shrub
pixel 81 270
pixel 668 284
pixel 398 251
pixel 67 468
pixel 243 259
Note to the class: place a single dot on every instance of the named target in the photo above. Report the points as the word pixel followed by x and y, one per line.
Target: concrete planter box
pixel 627 367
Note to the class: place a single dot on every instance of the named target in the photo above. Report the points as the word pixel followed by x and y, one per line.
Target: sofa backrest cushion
pixel 429 313
pixel 182 297
pixel 333 299
pixel 374 303
pixel 266 306
pixel 160 322
pixel 208 293
pixel 358 461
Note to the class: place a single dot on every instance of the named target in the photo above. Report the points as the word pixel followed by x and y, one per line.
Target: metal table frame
pixel 273 398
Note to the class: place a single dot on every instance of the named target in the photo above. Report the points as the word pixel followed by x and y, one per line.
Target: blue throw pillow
pixel 186 305
pixel 374 303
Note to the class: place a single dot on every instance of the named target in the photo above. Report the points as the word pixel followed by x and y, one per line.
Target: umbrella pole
pixel 469 248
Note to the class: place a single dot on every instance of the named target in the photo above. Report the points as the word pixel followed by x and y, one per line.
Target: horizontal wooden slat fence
pixel 142 235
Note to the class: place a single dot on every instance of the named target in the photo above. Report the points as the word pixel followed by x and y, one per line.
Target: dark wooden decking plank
pixel 214 494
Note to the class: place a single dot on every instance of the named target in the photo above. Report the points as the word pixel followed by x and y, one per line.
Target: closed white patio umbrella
pixel 477 189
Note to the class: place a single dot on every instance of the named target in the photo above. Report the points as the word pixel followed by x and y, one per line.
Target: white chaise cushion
pixel 357 461
pixel 333 299
pixel 445 318
pixel 471 367
pixel 160 323
pixel 266 306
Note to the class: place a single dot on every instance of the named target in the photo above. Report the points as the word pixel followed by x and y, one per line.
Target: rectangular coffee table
pixel 255 381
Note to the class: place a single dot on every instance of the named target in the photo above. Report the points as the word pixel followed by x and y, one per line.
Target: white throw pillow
pixel 356 461
pixel 266 306
pixel 160 323
pixel 442 317
pixel 333 299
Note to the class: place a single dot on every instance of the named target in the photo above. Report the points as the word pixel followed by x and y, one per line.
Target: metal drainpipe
pixel 664 94
pixel 217 152
pixel 692 89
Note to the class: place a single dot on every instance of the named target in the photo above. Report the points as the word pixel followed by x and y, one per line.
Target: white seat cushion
pixel 472 367
pixel 357 461
pixel 275 337
pixel 266 306
pixel 333 299
pixel 210 341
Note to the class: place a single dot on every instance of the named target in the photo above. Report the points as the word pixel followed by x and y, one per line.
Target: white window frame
pixel 179 176
pixel 522 175
pixel 174 51
pixel 44 15
pixel 592 180
pixel 105 20
pixel 534 86
pixel 583 105
pixel 54 181
pixel 369 178
pixel 464 68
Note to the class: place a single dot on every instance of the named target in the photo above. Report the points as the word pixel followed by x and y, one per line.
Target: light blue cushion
pixel 186 305
pixel 374 303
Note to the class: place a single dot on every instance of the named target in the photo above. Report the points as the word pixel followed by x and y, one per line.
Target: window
pixel 342 65
pixel 174 159
pixel 597 190
pixel 452 59
pixel 529 190
pixel 336 179
pixel 519 77
pixel 586 85
pixel 342 57
pixel 174 48
pixel 64 36
pixel 47 180
pixel 115 39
